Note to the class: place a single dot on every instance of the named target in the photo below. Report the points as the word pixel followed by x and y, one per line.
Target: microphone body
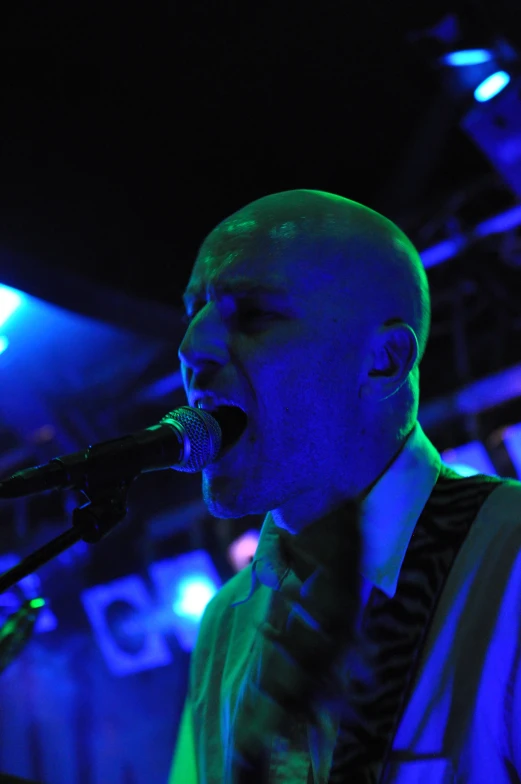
pixel 187 439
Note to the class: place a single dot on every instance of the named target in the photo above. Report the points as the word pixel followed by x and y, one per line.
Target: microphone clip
pixel 102 512
pixel 105 508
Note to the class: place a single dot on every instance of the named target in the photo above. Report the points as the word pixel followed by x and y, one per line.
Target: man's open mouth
pixel 233 422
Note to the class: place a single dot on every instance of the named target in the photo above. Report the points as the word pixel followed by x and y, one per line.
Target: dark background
pixel 127 133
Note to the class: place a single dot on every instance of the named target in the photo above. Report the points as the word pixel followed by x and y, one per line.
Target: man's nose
pixel 205 342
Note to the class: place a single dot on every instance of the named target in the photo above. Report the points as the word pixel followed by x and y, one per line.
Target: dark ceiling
pixel 127 135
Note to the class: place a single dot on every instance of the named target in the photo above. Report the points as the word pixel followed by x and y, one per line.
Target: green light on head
pixel 284 231
pixel 239 225
pixel 35 604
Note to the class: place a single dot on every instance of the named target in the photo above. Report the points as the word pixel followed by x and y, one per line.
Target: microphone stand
pixel 105 508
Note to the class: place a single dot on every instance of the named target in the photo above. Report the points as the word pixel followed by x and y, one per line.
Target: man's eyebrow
pixel 241 287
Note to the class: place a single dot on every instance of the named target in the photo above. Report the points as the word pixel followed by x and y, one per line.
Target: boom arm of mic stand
pixel 91 522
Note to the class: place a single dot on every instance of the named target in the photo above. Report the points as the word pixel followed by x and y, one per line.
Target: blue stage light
pixel 467 57
pixel 444 250
pixel 194 594
pixel 184 584
pixel 4 343
pixel 469 459
pixel 10 300
pixel 491 86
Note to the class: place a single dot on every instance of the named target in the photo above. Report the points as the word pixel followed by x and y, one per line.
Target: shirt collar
pixel 388 517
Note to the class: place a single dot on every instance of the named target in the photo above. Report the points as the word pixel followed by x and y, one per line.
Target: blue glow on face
pixel 10 300
pixel 467 57
pixel 491 86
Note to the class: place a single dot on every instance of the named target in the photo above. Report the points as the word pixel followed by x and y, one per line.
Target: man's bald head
pixel 308 309
pixel 344 241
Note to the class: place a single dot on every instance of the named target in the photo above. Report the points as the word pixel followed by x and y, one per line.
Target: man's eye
pixel 251 313
pixel 247 315
pixel 254 315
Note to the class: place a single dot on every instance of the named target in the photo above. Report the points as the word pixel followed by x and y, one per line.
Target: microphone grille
pixel 202 437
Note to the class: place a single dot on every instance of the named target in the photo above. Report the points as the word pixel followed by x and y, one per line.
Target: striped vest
pixel 395 629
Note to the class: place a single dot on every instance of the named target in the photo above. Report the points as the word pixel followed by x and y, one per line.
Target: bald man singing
pixel 375 636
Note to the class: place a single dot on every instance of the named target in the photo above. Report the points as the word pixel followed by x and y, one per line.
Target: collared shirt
pixel 461 718
pixel 388 516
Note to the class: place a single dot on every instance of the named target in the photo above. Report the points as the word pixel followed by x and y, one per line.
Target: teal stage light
pixel 491 86
pixel 10 300
pixel 467 57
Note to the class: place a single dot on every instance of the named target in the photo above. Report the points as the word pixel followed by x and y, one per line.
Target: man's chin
pixel 221 497
pixel 227 497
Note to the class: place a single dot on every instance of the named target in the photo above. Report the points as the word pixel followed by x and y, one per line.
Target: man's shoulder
pixel 498 522
pixel 504 502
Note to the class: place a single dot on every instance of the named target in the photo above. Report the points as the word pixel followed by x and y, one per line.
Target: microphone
pixel 186 439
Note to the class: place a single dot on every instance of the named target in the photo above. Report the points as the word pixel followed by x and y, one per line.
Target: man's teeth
pixel 212 406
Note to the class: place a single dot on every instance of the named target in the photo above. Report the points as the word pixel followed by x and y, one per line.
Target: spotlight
pixel 465 57
pixel 10 300
pixel 491 86
pixel 468 69
pixel 480 73
pixel 185 585
pixel 194 595
pixel 493 126
pixel 476 72
pixel 4 343
pixel 242 550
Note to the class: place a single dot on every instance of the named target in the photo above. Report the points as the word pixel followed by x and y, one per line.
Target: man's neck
pixel 318 503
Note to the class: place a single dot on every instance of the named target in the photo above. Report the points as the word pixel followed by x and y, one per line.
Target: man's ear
pixel 393 352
